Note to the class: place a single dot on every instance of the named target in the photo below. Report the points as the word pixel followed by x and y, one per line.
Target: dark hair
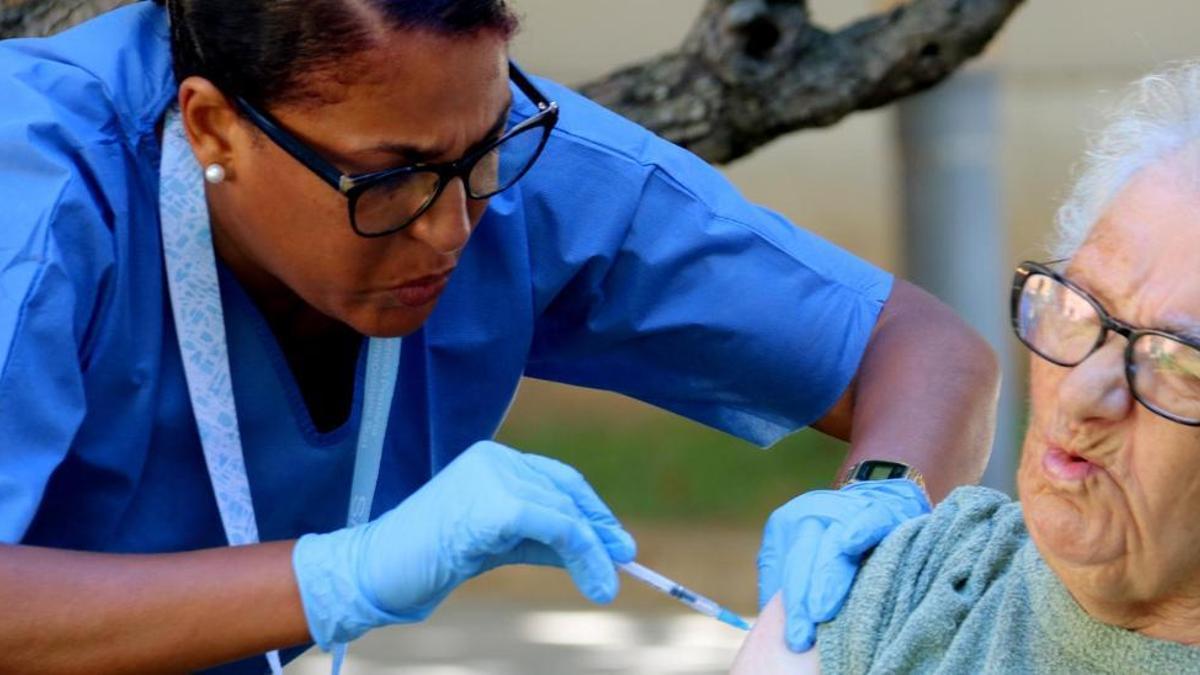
pixel 266 50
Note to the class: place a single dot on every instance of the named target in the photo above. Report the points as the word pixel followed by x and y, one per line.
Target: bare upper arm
pixel 765 653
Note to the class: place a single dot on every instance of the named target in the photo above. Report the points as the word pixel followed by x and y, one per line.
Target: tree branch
pixel 748 72
pixel 752 70
pixel 29 18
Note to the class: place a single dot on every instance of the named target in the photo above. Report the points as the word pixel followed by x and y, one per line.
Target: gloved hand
pixel 812 547
pixel 491 506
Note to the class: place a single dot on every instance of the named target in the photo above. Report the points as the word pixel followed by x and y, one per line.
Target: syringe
pixel 691 599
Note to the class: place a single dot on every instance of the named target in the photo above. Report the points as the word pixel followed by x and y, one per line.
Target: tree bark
pixel 748 72
pixel 29 18
pixel 752 70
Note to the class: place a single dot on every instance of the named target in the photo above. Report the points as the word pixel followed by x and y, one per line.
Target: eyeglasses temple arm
pixel 316 163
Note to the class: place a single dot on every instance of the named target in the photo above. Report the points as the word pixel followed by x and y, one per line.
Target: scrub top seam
pixel 864 293
pixel 124 115
pixel 651 164
pixel 115 111
pixel 22 313
pixel 670 179
pixel 107 282
pixel 595 145
pixel 43 263
pixel 134 125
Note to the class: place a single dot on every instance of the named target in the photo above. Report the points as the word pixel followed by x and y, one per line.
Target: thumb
pixel 832 575
pixel 801 636
pixel 798 583
pixel 865 529
pixel 771 558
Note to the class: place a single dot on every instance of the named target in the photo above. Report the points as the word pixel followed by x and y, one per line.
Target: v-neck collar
pixel 240 307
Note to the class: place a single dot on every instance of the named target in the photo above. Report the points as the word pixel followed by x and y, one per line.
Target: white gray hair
pixel 1159 117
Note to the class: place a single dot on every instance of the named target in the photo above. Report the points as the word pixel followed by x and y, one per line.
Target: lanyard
pixel 383 359
pixel 200 325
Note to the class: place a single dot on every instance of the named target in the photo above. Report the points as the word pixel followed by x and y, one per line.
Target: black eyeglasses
pixel 1063 324
pixel 383 202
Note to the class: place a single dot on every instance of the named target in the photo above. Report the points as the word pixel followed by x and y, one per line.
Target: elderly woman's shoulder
pixel 967 544
pixel 972 511
pixel 975 526
pixel 924 580
pixel 974 508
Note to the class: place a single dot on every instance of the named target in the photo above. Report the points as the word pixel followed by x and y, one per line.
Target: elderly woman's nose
pixel 446 226
pixel 1096 388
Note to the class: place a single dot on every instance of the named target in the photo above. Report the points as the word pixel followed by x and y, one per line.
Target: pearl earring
pixel 214 174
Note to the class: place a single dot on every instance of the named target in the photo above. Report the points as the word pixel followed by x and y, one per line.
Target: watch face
pixel 880 472
pixel 876 470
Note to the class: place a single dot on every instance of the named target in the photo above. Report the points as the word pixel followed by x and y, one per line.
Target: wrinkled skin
pixel 1121 528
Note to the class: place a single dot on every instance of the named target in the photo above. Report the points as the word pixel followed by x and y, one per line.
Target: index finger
pixel 568 479
pixel 583 554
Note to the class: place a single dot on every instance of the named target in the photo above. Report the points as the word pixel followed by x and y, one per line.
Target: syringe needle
pixel 683 594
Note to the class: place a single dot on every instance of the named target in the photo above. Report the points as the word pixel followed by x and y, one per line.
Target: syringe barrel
pixel 649 576
pixel 681 593
pixel 685 595
pixel 706 606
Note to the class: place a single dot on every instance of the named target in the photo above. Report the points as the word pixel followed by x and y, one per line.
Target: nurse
pixel 271 272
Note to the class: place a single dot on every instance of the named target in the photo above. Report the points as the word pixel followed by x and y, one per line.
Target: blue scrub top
pixel 620 262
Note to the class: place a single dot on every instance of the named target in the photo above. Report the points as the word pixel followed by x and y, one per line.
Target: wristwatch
pixel 877 469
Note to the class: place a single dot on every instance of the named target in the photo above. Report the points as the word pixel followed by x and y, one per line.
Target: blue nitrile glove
pixel 812 547
pixel 491 506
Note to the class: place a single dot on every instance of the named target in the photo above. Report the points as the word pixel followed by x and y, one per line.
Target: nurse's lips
pixel 421 292
pixel 1065 467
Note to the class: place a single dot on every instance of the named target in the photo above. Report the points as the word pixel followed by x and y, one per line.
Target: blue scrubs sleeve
pixel 52 250
pixel 656 279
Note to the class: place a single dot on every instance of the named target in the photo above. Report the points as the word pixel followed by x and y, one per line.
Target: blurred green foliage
pixel 664 467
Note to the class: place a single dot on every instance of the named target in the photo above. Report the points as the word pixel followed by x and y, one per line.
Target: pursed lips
pixel 1075 460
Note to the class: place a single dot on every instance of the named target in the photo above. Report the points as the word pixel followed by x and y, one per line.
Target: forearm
pixel 70 612
pixel 925 394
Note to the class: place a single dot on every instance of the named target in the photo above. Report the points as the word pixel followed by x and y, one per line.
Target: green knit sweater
pixel 964 590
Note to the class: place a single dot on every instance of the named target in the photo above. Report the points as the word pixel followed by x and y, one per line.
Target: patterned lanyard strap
pixel 200 325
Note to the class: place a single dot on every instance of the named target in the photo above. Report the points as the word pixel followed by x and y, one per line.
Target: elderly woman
pixel 1096 569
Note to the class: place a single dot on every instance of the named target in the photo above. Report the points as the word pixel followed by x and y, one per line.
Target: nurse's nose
pixel 446 226
pixel 1096 389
